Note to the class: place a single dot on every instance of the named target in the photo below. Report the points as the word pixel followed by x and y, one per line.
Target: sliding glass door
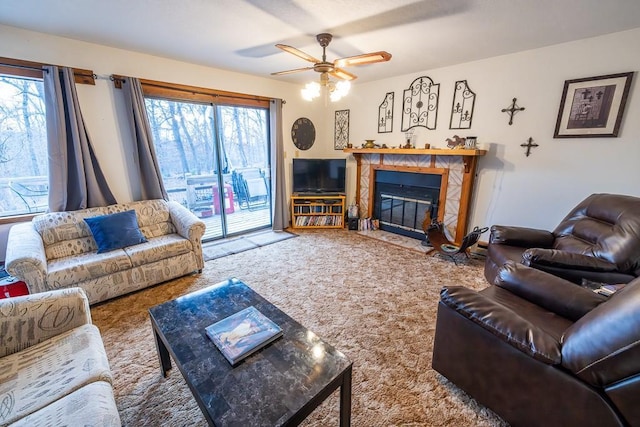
pixel 214 159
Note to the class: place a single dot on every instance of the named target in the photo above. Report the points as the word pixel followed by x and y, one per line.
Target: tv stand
pixel 318 211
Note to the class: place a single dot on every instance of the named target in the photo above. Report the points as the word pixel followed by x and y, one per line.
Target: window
pixel 23 146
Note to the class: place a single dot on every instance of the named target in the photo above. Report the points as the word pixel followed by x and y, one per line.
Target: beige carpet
pixel 374 301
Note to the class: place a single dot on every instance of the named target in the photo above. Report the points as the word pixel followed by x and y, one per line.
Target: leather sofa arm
pixel 503 323
pixel 31 319
pixel 602 347
pixel 26 258
pixel 562 259
pixel 553 293
pixel 520 236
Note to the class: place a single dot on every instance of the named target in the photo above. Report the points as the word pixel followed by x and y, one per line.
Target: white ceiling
pixel 239 35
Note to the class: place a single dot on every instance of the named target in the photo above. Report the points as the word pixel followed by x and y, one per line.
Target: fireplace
pixel 444 189
pixel 402 201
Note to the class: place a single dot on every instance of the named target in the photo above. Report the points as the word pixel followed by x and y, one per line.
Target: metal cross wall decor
pixel 420 104
pixel 385 114
pixel 530 144
pixel 462 109
pixel 512 110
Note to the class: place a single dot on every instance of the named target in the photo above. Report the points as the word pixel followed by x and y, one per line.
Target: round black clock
pixel 303 133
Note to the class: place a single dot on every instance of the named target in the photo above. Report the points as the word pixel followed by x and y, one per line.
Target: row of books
pixel 320 220
pixel 317 209
pixel 368 224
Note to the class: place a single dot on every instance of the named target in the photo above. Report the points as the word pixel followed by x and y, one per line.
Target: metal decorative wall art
pixel 385 114
pixel 420 104
pixel 462 108
pixel 512 110
pixel 341 131
pixel 529 145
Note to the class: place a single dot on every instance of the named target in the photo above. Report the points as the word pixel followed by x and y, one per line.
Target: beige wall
pixel 511 188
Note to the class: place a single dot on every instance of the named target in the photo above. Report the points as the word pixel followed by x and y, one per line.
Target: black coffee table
pixel 280 384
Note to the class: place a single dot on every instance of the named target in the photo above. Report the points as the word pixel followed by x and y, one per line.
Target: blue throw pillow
pixel 115 231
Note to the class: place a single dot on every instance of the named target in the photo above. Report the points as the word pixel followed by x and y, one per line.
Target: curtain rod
pixel 195 91
pixel 24 67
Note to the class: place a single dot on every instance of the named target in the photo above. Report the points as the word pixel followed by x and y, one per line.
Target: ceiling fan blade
pixel 367 58
pixel 342 74
pixel 297 70
pixel 298 53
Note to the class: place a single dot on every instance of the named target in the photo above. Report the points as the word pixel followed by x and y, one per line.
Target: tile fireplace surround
pixel 456 166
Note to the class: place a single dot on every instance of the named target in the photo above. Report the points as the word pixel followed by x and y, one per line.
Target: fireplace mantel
pixel 468 155
pixel 458 166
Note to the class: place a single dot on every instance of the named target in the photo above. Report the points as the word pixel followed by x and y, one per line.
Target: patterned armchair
pixel 52 358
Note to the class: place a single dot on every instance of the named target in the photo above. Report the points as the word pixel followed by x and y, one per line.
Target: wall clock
pixel 303 133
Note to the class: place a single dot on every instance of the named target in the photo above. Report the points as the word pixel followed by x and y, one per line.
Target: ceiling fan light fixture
pixel 340 90
pixel 310 91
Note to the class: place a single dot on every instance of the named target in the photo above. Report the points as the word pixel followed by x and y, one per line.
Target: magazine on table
pixel 243 333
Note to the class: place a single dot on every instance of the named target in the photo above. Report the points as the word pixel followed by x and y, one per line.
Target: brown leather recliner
pixel 598 240
pixel 542 351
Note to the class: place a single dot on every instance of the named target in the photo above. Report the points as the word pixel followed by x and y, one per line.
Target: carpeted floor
pixel 374 301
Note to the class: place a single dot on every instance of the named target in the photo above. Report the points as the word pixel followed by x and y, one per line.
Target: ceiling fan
pixel 333 68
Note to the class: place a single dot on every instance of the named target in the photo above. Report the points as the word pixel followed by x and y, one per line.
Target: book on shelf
pixel 242 334
pixel 606 289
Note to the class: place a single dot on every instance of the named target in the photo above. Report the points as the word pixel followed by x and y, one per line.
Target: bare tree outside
pixel 196 154
pixel 23 146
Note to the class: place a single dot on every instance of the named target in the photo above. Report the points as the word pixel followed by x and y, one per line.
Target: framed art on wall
pixel 341 131
pixel 593 106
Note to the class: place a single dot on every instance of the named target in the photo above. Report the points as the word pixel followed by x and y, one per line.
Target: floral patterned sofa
pixel 57 250
pixel 55 370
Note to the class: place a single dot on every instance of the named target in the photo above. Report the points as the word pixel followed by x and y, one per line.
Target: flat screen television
pixel 319 175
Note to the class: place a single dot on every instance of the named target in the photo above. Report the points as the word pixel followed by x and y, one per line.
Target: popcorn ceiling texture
pixel 374 301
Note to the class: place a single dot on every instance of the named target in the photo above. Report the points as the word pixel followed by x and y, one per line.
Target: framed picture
pixel 341 131
pixel 593 107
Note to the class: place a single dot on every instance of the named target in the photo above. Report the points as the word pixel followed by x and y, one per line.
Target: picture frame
pixel 341 130
pixel 593 107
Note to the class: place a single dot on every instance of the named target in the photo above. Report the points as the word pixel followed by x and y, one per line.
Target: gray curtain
pixel 75 178
pixel 280 219
pixel 151 185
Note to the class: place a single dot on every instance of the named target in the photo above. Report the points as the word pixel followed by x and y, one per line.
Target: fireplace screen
pixel 404 212
pixel 402 200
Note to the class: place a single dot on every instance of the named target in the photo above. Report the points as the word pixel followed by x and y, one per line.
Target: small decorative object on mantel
pixel 470 142
pixel 341 131
pixel 385 114
pixel 530 144
pixel 462 108
pixel 455 142
pixel 593 107
pixel 420 104
pixel 410 139
pixel 512 110
pixel 369 143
